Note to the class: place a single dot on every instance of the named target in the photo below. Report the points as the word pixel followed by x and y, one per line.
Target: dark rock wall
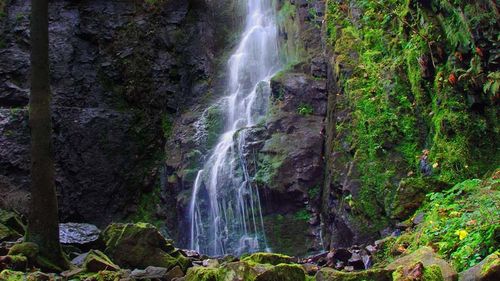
pixel 120 72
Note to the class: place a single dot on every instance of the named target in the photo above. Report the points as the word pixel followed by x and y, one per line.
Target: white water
pixel 225 214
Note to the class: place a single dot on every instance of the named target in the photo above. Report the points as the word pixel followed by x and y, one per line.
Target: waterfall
pixel 224 212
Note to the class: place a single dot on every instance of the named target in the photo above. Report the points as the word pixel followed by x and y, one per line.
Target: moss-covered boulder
pixel 97 261
pixel 428 258
pixel 28 249
pixel 409 196
pixel 418 272
pixel 329 274
pixel 204 274
pixel 141 245
pixel 14 262
pixel 283 272
pixel 269 258
pixel 487 270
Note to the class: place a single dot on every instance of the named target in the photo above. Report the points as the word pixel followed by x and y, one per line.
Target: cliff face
pixel 413 108
pixel 120 71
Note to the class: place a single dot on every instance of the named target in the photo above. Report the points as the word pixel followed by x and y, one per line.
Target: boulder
pixel 141 245
pixel 78 234
pixel 329 274
pixel 427 257
pixel 268 258
pixel 486 270
pixel 283 272
pixel 27 249
pixel 97 261
pixel 418 272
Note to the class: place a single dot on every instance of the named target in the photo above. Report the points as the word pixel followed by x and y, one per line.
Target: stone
pixel 78 233
pixel 283 272
pixel 418 219
pixel 269 258
pixel 28 249
pixel 418 272
pixel 210 263
pixel 329 274
pixel 427 257
pixel 151 272
pixel 72 272
pixel 140 245
pixel 356 261
pixel 12 221
pixel 173 273
pixel 14 262
pixel 487 270
pixel 79 260
pixel 342 254
pixel 310 268
pixel 97 261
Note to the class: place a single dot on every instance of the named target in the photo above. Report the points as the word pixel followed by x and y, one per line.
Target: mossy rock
pixel 141 245
pixel 409 196
pixel 7 233
pixel 329 274
pixel 429 273
pixel 15 262
pixel 10 275
pixel 27 249
pixel 486 270
pixel 269 258
pixel 283 272
pixel 97 261
pixel 204 274
pixel 12 221
pixel 428 258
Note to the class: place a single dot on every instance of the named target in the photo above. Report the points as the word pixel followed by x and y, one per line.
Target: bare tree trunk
pixel 43 223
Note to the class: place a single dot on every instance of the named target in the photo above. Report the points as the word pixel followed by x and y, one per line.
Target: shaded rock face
pixel 118 70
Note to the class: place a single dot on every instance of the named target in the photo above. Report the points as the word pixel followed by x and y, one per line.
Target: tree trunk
pixel 43 222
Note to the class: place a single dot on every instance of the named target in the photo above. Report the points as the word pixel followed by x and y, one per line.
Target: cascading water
pixel 225 213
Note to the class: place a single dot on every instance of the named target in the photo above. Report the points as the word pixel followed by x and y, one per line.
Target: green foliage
pixel 302 214
pixel 400 104
pixel 461 223
pixel 267 167
pixel 305 109
pixel 167 126
pixel 214 124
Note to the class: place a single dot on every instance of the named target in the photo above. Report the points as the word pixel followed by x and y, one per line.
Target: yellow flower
pixel 461 234
pixel 435 165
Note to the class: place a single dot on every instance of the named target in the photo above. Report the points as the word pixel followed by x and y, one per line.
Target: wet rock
pixel 141 245
pixel 79 234
pixel 97 261
pixel 318 67
pixel 487 270
pixel 210 263
pixel 427 257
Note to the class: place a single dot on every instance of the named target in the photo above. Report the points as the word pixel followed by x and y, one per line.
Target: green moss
pixel 432 273
pixel 9 275
pixel 305 109
pixel 269 258
pixel 282 234
pixel 214 124
pixel 27 249
pixel 283 272
pixel 329 274
pixel 204 274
